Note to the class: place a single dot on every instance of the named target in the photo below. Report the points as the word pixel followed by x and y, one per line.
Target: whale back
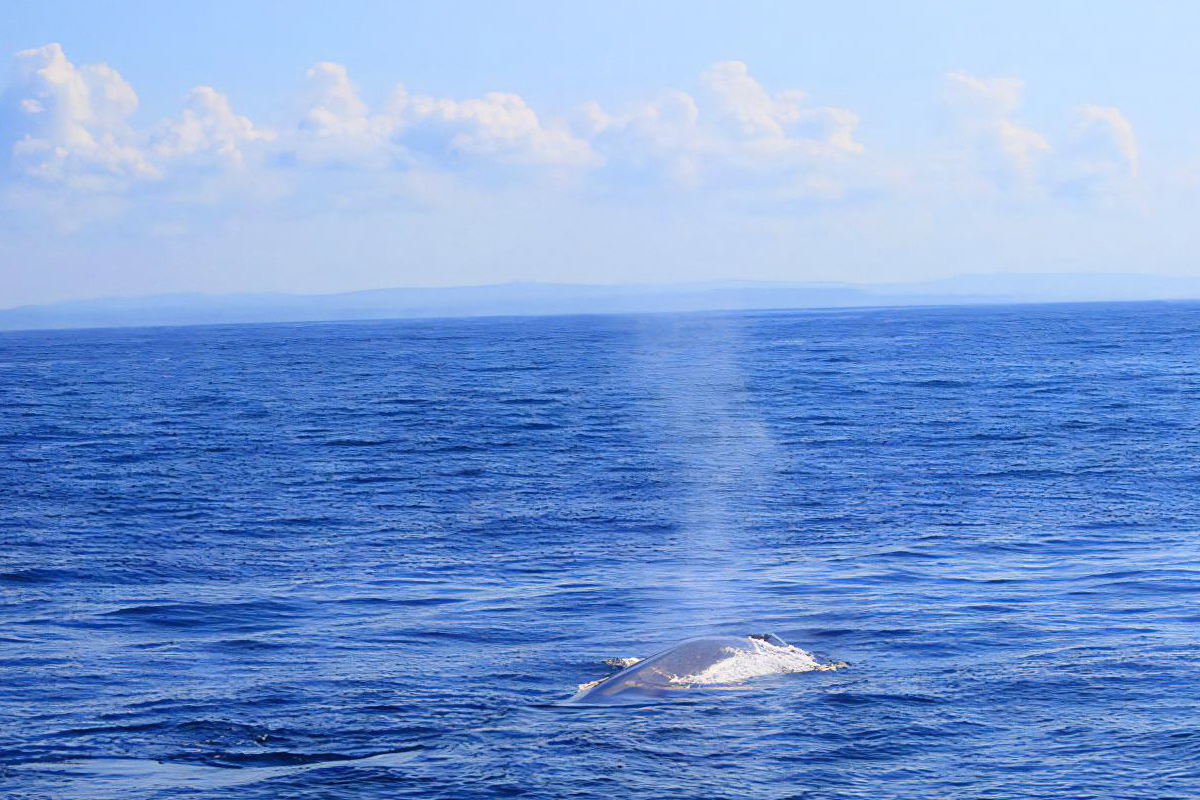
pixel 665 672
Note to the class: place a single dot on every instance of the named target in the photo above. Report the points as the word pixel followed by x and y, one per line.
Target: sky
pixel 217 147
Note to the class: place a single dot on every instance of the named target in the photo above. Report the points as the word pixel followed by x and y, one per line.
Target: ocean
pixel 372 560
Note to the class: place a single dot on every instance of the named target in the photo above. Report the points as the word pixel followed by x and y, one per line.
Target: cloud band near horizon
pixel 67 130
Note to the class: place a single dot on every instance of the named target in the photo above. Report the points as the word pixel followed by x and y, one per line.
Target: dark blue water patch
pixel 217 616
pixel 373 559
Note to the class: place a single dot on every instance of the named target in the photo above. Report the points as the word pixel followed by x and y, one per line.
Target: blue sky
pixel 290 146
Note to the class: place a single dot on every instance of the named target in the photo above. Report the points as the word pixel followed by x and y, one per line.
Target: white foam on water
pixel 762 659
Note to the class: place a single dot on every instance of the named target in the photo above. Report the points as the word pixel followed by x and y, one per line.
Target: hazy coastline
pixel 539 299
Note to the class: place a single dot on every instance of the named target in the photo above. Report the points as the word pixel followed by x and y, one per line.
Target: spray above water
pixel 720 463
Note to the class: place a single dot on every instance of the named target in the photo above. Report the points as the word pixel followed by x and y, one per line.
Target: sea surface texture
pixel 371 560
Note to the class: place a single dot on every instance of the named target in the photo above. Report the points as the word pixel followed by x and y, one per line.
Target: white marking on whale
pixel 704 661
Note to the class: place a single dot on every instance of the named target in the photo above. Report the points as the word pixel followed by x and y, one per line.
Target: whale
pixel 694 663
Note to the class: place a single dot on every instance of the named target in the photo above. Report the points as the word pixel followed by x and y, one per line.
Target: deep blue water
pixel 368 560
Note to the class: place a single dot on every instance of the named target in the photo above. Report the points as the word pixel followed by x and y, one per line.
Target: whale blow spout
pixel 704 661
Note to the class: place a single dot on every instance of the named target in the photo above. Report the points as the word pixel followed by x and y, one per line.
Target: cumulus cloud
pixel 776 122
pixel 1099 156
pixel 335 108
pixel 1009 154
pixel 658 136
pixel 410 130
pixel 207 127
pixel 733 131
pixel 499 128
pixel 338 127
pixel 67 125
pixel 70 124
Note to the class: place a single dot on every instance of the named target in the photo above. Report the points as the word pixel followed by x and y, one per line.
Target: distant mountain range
pixel 519 299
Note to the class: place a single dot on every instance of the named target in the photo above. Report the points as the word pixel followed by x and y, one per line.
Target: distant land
pixel 521 299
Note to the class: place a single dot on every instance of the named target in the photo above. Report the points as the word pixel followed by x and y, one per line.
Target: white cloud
pixel 661 136
pixel 335 108
pixel 207 127
pixel 1101 156
pixel 69 123
pixel 1098 157
pixel 499 127
pixel 63 125
pixel 338 127
pixel 984 100
pixel 72 126
pixel 734 132
pixel 780 122
pixel 1009 154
